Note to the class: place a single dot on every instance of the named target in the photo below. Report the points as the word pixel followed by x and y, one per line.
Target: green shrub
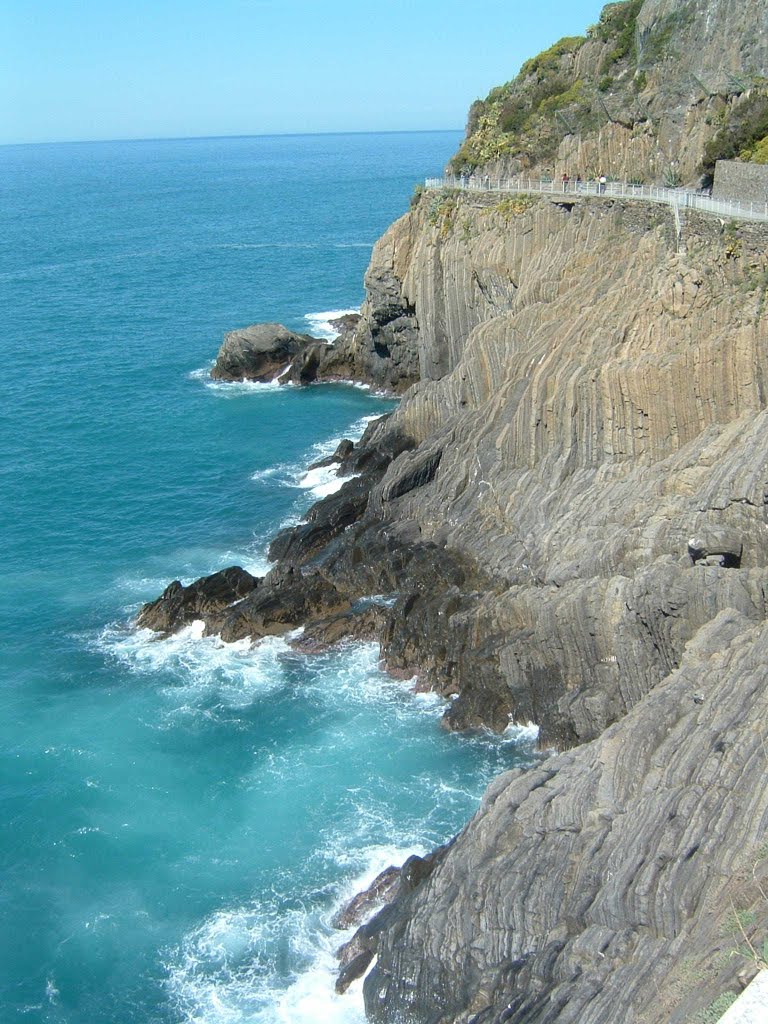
pixel 716 1009
pixel 672 178
pixel 617 25
pixel 549 60
pixel 513 116
pixel 443 208
pixel 559 100
pixel 745 127
pixel 513 206
pixel 758 153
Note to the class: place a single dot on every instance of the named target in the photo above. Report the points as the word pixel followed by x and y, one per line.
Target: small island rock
pixel 261 352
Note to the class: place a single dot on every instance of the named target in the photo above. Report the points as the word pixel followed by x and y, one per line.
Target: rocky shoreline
pixel 564 522
pixel 537 566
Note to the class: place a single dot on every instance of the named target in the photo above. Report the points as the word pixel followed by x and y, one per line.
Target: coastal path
pixel 679 199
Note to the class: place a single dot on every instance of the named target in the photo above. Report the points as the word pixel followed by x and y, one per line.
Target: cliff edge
pixel 656 91
pixel 567 516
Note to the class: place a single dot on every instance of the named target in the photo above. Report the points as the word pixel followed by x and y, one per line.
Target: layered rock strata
pixel 566 516
pixel 643 95
pixel 621 882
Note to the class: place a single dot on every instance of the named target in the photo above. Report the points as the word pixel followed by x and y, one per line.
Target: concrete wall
pixel 745 182
pixel 752 1005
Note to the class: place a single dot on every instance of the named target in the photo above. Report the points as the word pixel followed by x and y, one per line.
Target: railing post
pixel 675 198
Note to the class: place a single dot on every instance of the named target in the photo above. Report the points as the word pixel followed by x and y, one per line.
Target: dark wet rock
pixel 261 352
pixel 417 869
pixel 343 451
pixel 381 890
pixel 391 887
pixel 286 599
pixel 207 597
pixel 366 463
pixel 414 470
pixel 305 365
pixel 355 969
pixel 377 448
pixel 360 624
pixel 346 324
pixel 296 545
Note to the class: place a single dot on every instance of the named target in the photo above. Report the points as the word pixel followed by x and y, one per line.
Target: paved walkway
pixel 678 198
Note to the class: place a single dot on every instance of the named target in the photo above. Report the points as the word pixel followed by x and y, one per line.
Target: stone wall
pixel 737 180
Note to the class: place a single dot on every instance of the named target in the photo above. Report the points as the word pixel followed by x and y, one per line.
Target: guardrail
pixel 678 198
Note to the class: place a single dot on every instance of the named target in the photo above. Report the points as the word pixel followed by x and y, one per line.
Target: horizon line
pixel 248 135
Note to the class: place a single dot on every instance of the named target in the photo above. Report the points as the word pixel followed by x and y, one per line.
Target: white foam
pixel 273 960
pixel 232 968
pixel 233 388
pixel 201 373
pixel 196 667
pixel 324 449
pixel 320 323
pixel 522 733
pixel 322 481
pixel 228 970
pixel 359 680
pixel 368 864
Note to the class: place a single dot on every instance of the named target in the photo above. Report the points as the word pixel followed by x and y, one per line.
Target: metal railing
pixel 676 197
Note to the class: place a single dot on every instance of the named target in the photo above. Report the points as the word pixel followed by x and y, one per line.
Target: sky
pixel 128 69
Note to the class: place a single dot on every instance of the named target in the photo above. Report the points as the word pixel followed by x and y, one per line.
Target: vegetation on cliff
pixel 644 94
pixel 553 95
pixel 743 133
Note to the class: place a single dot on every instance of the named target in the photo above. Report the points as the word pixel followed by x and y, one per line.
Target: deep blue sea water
pixel 180 818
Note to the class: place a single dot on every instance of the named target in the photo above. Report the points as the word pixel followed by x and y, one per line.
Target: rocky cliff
pixel 568 517
pixel 655 91
pixel 569 511
pixel 622 882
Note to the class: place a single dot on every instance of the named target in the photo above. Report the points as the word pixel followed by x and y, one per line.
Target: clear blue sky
pixel 106 69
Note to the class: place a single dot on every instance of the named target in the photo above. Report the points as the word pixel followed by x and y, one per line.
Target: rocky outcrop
pixel 612 883
pixel 207 598
pixel 563 522
pixel 577 483
pixel 379 347
pixel 603 470
pixel 642 95
pixel 260 352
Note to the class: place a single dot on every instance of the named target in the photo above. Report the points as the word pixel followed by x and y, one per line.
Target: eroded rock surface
pixel 207 598
pixel 602 885
pixel 563 522
pixel 260 352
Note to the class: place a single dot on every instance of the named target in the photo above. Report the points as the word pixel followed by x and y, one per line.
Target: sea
pixel 181 818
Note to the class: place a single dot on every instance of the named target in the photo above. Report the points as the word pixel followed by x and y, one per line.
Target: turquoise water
pixel 181 817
